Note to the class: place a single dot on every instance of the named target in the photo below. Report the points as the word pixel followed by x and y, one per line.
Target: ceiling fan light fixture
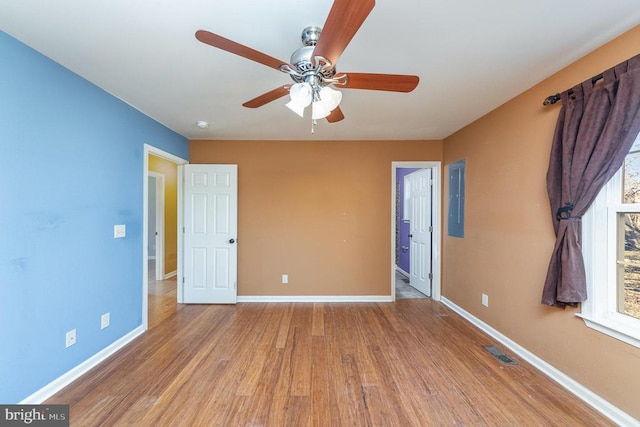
pixel 296 108
pixel 301 94
pixel 330 97
pixel 319 110
pixel 328 100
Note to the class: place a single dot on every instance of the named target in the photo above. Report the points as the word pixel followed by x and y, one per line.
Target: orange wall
pixel 319 211
pixel 509 237
pixel 170 172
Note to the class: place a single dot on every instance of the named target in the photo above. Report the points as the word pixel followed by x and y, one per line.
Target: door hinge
pixel 430 229
pixel 430 276
pixel 183 230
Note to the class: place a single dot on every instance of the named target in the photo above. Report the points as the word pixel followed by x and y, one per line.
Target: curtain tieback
pixel 565 212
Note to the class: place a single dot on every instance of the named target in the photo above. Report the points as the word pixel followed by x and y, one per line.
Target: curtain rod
pixel 552 99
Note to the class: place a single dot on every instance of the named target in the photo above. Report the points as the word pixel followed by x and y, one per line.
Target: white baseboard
pixel 598 403
pixel 316 298
pixel 170 274
pixel 67 378
pixel 401 271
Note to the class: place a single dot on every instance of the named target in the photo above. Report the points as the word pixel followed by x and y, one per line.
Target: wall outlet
pixel 119 231
pixel 105 320
pixel 70 338
pixel 285 279
pixel 485 300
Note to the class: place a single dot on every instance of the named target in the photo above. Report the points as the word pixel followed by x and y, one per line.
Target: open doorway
pixel 415 228
pixel 156 223
pixel 168 250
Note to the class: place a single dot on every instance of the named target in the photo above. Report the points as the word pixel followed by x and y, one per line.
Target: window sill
pixel 613 328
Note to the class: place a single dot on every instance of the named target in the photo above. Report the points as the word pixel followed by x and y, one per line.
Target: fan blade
pixel 238 49
pixel 335 116
pixel 388 82
pixel 266 98
pixel 344 20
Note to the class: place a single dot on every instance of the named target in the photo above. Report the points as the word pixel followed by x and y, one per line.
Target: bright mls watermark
pixel 34 415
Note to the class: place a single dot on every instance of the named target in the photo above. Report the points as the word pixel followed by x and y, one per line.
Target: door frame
pixel 436 214
pixel 159 223
pixel 149 149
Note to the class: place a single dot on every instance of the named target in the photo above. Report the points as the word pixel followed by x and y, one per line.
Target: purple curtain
pixel 595 131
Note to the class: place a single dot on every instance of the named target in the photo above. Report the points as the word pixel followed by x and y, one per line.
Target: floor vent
pixel 498 354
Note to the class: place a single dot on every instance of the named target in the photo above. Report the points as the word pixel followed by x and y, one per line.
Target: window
pixel 611 247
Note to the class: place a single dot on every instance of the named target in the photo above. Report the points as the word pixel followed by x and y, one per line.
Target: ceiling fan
pixel 312 67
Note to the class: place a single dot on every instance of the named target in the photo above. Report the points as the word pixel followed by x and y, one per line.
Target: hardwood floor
pixel 409 363
pixel 162 301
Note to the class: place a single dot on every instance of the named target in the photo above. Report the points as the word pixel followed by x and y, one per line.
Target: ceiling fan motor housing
pixel 302 60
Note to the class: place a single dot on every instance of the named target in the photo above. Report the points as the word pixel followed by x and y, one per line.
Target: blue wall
pixel 71 167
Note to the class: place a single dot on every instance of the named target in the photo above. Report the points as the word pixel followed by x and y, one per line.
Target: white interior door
pixel 420 230
pixel 210 233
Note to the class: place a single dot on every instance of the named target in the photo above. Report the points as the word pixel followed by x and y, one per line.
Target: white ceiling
pixel 471 57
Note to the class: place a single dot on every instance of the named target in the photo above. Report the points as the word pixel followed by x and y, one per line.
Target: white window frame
pixel 599 231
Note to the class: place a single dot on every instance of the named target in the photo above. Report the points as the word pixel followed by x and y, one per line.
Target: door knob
pixel 232 241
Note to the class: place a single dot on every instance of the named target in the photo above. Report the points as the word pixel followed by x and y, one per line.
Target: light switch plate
pixel 105 319
pixel 119 231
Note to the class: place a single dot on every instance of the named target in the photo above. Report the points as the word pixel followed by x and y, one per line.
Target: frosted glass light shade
pixel 330 97
pixel 296 108
pixel 329 100
pixel 301 94
pixel 319 110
